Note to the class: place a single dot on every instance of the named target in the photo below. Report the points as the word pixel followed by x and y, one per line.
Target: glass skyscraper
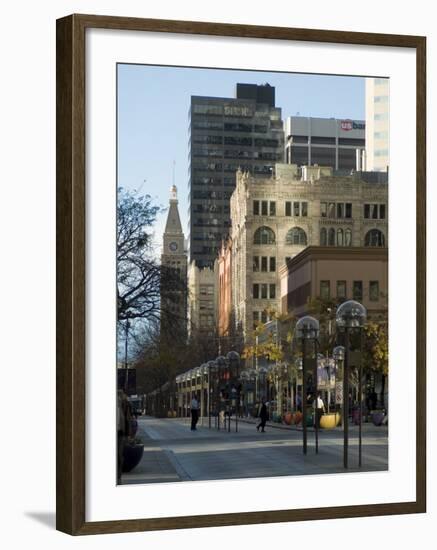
pixel 226 134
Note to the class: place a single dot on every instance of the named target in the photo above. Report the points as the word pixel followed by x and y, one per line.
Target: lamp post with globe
pixel 307 331
pixel 233 360
pixel 351 315
pixel 221 375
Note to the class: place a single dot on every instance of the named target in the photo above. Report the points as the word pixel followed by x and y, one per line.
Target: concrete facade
pixel 339 143
pixel 202 300
pixel 377 124
pixel 274 219
pixel 225 134
pixel 341 273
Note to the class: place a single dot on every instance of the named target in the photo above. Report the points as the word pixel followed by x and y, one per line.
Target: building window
pixel 272 263
pixel 374 211
pixel 325 290
pixel 374 237
pixel 323 237
pixel 331 237
pixel 272 208
pixel 304 207
pixel 348 237
pixel 264 263
pixel 340 240
pixel 288 208
pixel 296 236
pixel 296 209
pixel 255 315
pixel 264 235
pixel 341 289
pixel 331 210
pixel 256 208
pixel 348 213
pixel 264 293
pixel 264 205
pixel 263 317
pixel 340 210
pixel 272 291
pixel 323 209
pixel 256 263
pixel 256 291
pixel 357 290
pixel 374 291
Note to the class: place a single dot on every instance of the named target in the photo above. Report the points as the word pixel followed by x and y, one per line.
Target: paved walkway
pixel 172 452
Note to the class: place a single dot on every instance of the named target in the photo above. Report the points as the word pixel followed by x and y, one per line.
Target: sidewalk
pixel 156 466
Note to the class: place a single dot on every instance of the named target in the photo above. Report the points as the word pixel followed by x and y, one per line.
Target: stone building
pixel 174 274
pixel 202 300
pixel 223 267
pixel 337 273
pixel 274 219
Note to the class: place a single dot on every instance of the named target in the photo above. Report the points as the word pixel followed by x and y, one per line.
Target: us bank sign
pixel 347 125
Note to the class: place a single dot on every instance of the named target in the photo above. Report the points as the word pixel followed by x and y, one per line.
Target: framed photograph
pixel 241 274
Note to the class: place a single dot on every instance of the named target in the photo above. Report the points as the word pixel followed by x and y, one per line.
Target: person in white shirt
pixel 319 407
pixel 194 412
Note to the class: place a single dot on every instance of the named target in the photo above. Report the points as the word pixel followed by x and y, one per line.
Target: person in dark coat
pixel 263 416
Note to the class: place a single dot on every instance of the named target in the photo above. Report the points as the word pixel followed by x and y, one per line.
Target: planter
pixel 297 418
pixel 377 417
pixel 288 418
pixel 276 417
pixel 132 455
pixel 330 421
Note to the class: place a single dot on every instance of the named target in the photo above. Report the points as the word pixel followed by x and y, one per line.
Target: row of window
pixel 374 211
pixel 229 127
pixel 292 208
pixel 265 235
pixel 264 291
pixel 264 263
pixel 335 237
pixel 339 210
pixel 357 290
pixel 333 210
pixel 328 237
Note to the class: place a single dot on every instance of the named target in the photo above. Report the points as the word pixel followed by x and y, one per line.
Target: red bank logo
pixel 346 125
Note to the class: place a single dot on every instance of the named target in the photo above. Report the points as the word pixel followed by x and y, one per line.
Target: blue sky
pixel 153 105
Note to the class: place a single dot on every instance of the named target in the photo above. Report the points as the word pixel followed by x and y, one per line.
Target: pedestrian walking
pixel 263 416
pixel 319 408
pixel 194 412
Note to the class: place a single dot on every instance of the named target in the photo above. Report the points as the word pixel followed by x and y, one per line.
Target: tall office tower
pixel 174 275
pixel 325 141
pixel 226 134
pixel 377 124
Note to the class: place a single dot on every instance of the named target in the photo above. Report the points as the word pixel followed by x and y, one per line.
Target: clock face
pixel 173 246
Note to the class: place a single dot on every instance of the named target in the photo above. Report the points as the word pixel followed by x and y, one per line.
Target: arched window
pixel 348 237
pixel 331 237
pixel 374 237
pixel 264 235
pixel 340 240
pixel 296 235
pixel 323 237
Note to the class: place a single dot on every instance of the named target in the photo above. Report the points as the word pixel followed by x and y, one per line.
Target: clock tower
pixel 174 256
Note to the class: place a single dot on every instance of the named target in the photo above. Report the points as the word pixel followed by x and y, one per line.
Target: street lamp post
pixel 211 367
pixel 233 359
pixel 307 329
pixel 221 365
pixel 351 315
pixel 338 354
